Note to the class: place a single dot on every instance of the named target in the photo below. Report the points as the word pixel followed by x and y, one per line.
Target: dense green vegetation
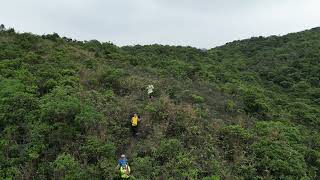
pixel 247 110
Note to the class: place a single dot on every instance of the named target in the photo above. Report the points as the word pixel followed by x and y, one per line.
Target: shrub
pixel 235 140
pixel 168 149
pixel 94 150
pixel 255 103
pixel 230 106
pixel 143 167
pixel 109 78
pixel 279 160
pixel 197 99
pixel 59 106
pixel 65 166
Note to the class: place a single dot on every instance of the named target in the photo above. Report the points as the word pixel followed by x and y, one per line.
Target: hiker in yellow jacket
pixel 124 172
pixel 135 119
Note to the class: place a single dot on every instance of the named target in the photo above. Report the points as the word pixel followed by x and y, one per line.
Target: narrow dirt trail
pixel 130 146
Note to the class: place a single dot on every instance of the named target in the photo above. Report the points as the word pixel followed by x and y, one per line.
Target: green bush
pixel 168 150
pixel 197 98
pixel 95 149
pixel 109 77
pixel 59 106
pixel 255 103
pixel 235 141
pixel 66 167
pixel 279 160
pixel 230 106
pixel 143 167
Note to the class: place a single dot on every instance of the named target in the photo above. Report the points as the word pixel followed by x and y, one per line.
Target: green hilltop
pixel 249 109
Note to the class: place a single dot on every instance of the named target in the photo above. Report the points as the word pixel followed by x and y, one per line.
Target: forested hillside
pixel 247 110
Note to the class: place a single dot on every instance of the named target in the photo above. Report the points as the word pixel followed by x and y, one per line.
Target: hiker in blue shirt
pixel 123 167
pixel 122 161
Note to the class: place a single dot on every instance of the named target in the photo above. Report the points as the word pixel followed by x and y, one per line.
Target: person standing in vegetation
pixel 150 88
pixel 124 172
pixel 135 119
pixel 123 167
pixel 122 161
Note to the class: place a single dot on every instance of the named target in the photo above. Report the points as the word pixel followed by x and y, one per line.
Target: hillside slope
pixel 249 109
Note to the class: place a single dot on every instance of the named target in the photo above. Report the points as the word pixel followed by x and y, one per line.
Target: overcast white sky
pixel 199 23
